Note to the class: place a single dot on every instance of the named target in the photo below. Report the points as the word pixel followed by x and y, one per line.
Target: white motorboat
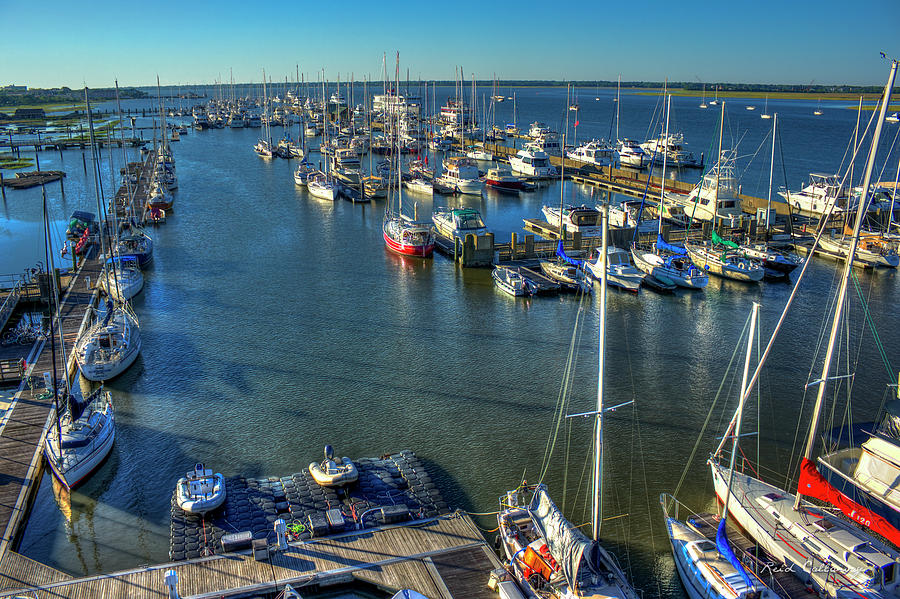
pixel 83 439
pixel 333 473
pixel 532 162
pixel 671 148
pixel 625 216
pixel 501 177
pixel 461 174
pixel 458 222
pixel 581 219
pixel 823 194
pixel 537 130
pixel 619 270
pixel 419 185
pixel 480 154
pixel 549 144
pixel 200 490
pixel 715 197
pixel 110 346
pixel 631 154
pixel 596 153
pixel 511 282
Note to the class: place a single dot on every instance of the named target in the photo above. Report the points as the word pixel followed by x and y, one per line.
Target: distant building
pixel 29 113
pixel 15 88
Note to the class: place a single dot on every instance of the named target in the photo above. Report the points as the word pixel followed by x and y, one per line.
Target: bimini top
pixel 567 544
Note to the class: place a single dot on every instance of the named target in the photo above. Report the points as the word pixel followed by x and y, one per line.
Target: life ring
pixel 742 266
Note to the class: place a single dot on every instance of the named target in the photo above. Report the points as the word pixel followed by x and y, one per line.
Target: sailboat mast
pixel 842 294
pixel 740 411
pixel 618 90
pixel 718 166
pixel 54 300
pixel 771 173
pixel 662 191
pixel 598 422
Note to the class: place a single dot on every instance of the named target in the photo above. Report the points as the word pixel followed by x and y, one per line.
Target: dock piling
pixel 281 534
pixel 171 579
pixel 2 188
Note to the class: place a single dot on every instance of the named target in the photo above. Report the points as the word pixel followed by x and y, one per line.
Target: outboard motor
pixel 329 452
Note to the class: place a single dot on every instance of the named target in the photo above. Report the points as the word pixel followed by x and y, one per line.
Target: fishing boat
pixel 547 555
pixel 511 282
pixel 458 222
pixel 461 174
pixel 82 439
pixel 501 178
pixel 619 270
pixel 200 490
pixel 108 347
pixel 832 556
pixel 533 162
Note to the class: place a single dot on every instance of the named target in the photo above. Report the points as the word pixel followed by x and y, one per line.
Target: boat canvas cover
pixel 813 484
pixel 567 544
pixel 889 426
pixel 661 244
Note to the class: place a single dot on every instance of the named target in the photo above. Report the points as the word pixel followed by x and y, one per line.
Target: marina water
pixel 274 323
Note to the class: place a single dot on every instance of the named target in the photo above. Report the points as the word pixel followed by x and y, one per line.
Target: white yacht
pixel 538 130
pixel 461 174
pixel 818 197
pixel 549 144
pixel 533 162
pixel 671 148
pixel 581 219
pixel 597 153
pixel 631 154
pixel 458 222
pixel 625 216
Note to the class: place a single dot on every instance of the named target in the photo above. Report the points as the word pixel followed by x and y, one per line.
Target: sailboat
pixel 402 234
pixel 666 262
pixel 818 110
pixel 319 184
pixel 765 114
pixel 715 101
pixel 703 99
pixel 776 264
pixel 82 436
pixel 263 146
pixel 547 555
pixel 711 570
pixel 834 557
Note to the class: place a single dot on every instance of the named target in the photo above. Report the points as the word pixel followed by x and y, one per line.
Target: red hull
pixel 510 185
pixel 422 251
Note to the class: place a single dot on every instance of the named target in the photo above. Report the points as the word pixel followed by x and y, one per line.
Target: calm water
pixel 274 323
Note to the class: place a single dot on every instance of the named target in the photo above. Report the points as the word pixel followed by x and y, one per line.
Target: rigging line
pixel 709 414
pixel 564 392
pixel 868 317
pixel 887 158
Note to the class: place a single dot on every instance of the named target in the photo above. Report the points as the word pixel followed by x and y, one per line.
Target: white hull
pixel 72 466
pixel 318 190
pixel 125 286
pixel 654 265
pixel 99 362
pixel 740 269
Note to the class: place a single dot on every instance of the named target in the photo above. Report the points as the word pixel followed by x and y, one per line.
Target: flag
pixel 576 122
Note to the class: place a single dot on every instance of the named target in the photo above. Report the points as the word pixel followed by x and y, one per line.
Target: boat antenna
pixel 848 267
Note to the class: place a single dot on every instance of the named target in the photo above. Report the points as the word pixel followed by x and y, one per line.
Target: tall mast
pixel 54 301
pixel 598 420
pixel 718 166
pixel 618 90
pixel 662 191
pixel 842 294
pixel 740 411
pixel 771 172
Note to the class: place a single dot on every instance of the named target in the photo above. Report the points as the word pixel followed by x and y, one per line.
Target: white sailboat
pixel 547 555
pixel 835 558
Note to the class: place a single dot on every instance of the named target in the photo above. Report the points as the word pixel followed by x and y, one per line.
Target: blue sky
pixel 66 43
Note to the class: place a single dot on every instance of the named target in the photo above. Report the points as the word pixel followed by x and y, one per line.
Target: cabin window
pixel 888 572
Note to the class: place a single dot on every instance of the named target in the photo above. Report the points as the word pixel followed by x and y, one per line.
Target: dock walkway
pixel 442 558
pixel 22 435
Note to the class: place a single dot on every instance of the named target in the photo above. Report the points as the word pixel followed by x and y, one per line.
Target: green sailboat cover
pixel 718 240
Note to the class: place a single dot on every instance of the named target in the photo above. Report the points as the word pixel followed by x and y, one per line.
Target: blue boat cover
pixel 562 254
pixel 662 244
pixel 725 551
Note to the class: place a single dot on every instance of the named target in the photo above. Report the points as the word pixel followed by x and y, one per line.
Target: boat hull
pixel 692 278
pixel 422 251
pixel 72 475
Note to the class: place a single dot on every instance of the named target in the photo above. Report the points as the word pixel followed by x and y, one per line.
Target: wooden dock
pixel 441 558
pixel 22 436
